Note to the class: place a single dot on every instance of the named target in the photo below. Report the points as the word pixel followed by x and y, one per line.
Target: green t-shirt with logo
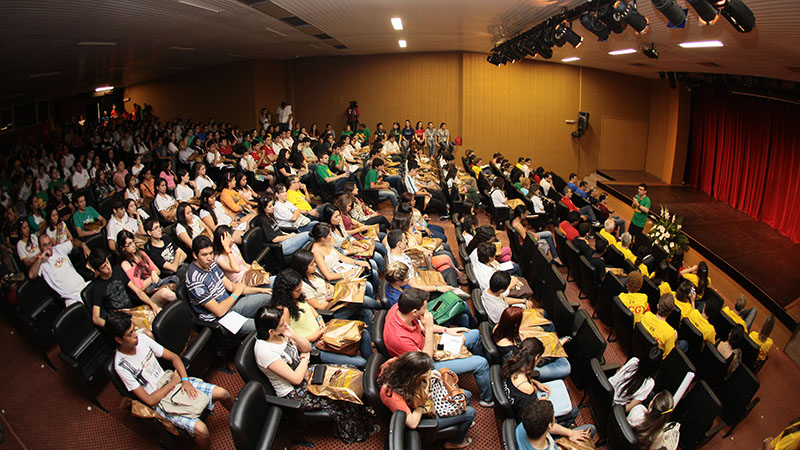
pixel 640 218
pixel 372 177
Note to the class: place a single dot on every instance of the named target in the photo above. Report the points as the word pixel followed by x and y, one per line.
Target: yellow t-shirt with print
pixel 735 317
pixel 763 347
pixel 684 307
pixel 697 319
pixel 626 252
pixel 661 331
pixel 637 303
pixel 609 237
pixel 298 199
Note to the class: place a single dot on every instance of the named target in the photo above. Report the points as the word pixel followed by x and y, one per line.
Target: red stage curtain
pixel 745 151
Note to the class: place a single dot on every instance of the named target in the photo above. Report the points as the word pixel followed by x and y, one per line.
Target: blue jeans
pixel 437 232
pixel 396 182
pixel 247 306
pixel 515 270
pixel 431 147
pixel 588 212
pixel 359 361
pixel 463 420
pixel 556 370
pixel 383 194
pixel 475 364
pixel 295 243
pixel 380 250
pixel 548 237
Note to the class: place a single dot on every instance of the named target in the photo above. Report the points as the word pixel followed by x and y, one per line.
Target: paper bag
pixel 141 316
pixel 373 232
pixel 533 317
pixel 565 444
pixel 140 240
pixel 498 248
pixel 341 333
pixel 430 278
pixel 256 275
pixel 419 259
pixel 340 383
pixel 142 411
pixel 514 202
pixel 170 213
pixel 350 246
pixel 552 346
pixel 349 291
pixel 442 355
pixel 431 243
pixel 93 226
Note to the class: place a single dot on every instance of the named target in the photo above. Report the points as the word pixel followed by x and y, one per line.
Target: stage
pixel 755 255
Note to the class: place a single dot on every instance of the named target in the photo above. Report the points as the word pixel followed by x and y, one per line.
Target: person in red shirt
pixel 409 327
pixel 225 148
pixel 586 211
pixel 568 226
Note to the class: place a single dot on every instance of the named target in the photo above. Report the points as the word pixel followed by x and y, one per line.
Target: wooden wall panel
pixel 269 87
pixel 621 143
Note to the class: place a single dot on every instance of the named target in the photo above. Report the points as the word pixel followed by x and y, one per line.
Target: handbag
pixel 448 399
pixel 301 221
pixel 669 437
pixel 178 403
pixel 256 275
pixel 446 306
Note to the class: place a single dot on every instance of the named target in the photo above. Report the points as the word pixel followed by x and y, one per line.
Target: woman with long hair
pixel 635 379
pixel 344 205
pixel 283 356
pixel 231 199
pixel 148 183
pixel 419 135
pixel 184 190
pixel 213 214
pixel 334 266
pixel 360 211
pixel 136 214
pixel 440 259
pixel 341 235
pixel 287 293
pixel 201 180
pixel 132 189
pixel 227 254
pixel 244 189
pixel 649 423
pixel 143 273
pixel 55 227
pixel 522 389
pixel 406 204
pixel 28 244
pixel 189 225
pixel 405 386
pixel 119 176
pixel 168 174
pixel 519 222
pixel 36 217
pixel 290 242
pixel 163 201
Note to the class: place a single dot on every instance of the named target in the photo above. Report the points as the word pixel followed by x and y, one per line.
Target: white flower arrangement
pixel 666 232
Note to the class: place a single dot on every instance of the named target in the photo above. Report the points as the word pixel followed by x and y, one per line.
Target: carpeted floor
pixel 40 410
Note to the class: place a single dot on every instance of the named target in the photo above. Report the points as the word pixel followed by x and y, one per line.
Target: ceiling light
pixel 185 49
pixel 402 43
pixel 236 55
pixel 104 88
pixel 625 51
pixel 545 52
pixel 738 14
pixel 397 23
pixel 671 11
pixel 701 44
pixel 276 32
pixel 496 59
pixel 570 59
pixel 201 6
pixel 628 13
pixel 98 43
pixel 707 13
pixel 611 18
pixel 598 28
pixel 564 33
pixel 41 75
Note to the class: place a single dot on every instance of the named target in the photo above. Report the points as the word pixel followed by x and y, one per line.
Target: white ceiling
pixel 41 36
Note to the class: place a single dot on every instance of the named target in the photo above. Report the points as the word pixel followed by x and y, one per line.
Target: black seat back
pixel 696 414
pixel 651 290
pixel 503 409
pixel 737 394
pixel 509 434
pixel 563 315
pixel 610 288
pixel 252 243
pixel 573 263
pixel 712 366
pixel 253 422
pixel 554 282
pixel 673 370
pixel 643 342
pixel 620 435
pixel 539 264
pixel 623 323
pixel 172 326
pixel 71 326
pixel 382 294
pixel 723 324
pixel 378 322
pixel 371 389
pixel 749 352
pixel 601 395
pixel 587 343
pixel 589 280
pixel 246 365
pixel 477 302
pixel 489 346
pixel 693 337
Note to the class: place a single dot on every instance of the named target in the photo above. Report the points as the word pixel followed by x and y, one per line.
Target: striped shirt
pixel 203 286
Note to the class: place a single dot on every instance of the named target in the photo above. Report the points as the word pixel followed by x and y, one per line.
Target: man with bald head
pixel 53 264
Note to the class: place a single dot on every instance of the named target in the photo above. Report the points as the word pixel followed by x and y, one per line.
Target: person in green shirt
pixel 348 130
pixel 85 215
pixel 641 207
pixel 324 173
pixel 364 132
pixel 380 132
pixel 371 181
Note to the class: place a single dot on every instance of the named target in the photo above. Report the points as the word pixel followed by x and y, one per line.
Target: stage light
pixel 496 59
pixel 611 18
pixel 671 11
pixel 629 14
pixel 596 26
pixel 564 33
pixel 738 14
pixel 707 13
pixel 545 52
pixel 514 54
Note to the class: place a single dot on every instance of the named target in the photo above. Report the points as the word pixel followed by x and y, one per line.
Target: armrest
pixel 428 424
pixel 263 253
pixel 315 357
pixel 282 402
pixel 326 314
pixel 288 229
pixel 575 306
pixel 610 369
pixel 68 360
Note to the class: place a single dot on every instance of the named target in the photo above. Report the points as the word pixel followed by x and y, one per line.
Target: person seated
pixel 656 324
pixel 164 253
pixel 142 272
pixel 86 215
pixel 762 338
pixel 485 233
pixel 586 211
pixel 109 289
pixel 213 295
pixel 685 297
pixel 361 212
pixel 53 264
pixel 233 202
pixel 506 337
pixel 372 180
pixel 265 219
pixel 296 196
pixel 730 348
pixel 546 182
pixel 289 215
pixel 740 315
pixel 633 299
pixel 661 279
pixel 420 221
pixel 441 257
pixel 573 178
pixel 650 423
pixel 497 194
pixel 567 226
pixel 344 204
pixel 410 327
pixel 607 213
pixel 28 243
pixel 213 213
pixel 397 241
pixel 200 179
pixel 634 381
pixel 787 439
pixel 288 294
pixel 701 319
pixel 283 356
pixel 608 231
pixel 698 276
pixel 580 242
pixel 343 236
pixel 335 266
pixel 396 276
pixel 496 297
pixel 189 226
pixel 120 221
pixel 184 190
pixel 55 227
pixel 522 389
pixel 228 256
pixel 325 175
pixel 642 253
pixel 544 239
pixel 624 246
pixel 404 383
pixel 163 201
pixel 136 365
pixel 435 198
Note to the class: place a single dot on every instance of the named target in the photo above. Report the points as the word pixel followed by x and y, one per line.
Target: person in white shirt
pixel 436 199
pixel 120 221
pixel 43 178
pixel 496 298
pixel 286 214
pixel 184 151
pixel 546 182
pixel 162 199
pixel 497 194
pixel 391 147
pixel 201 180
pixel 27 187
pixel 137 166
pixel 285 116
pixel 80 179
pixel 184 190
pixel 634 380
pixel 53 264
pixel 538 204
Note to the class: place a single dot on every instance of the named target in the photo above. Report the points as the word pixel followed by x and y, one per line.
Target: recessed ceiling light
pixel 622 52
pixel 397 23
pixel 104 88
pixel 185 49
pixel 402 43
pixel 570 59
pixel 701 44
pixel 98 43
pixel 276 32
pixel 236 55
pixel 41 75
pixel 201 6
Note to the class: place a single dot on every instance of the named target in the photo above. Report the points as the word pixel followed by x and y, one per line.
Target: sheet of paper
pixel 452 344
pixel 687 380
pixel 508 265
pixel 233 321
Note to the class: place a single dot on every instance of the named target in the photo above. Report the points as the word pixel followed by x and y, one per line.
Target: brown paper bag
pixel 430 278
pixel 533 317
pixel 256 275
pixel 93 226
pixel 170 213
pixel 349 246
pixel 419 259
pixel 616 271
pixel 441 355
pixel 141 316
pixel 341 333
pixel 565 444
pixel 340 383
pixel 140 240
pixel 431 243
pixel 142 411
pixel 498 248
pixel 373 232
pixel 552 346
pixel 348 291
pixel 514 202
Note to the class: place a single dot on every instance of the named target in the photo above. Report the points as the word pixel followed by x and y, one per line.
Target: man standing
pixel 352 114
pixel 641 207
pixel 285 116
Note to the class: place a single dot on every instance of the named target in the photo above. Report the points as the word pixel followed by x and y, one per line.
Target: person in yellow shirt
pixel 698 276
pixel 739 314
pixel 633 299
pixel 660 277
pixel 656 324
pixel 684 298
pixel 624 246
pixel 700 320
pixel 789 439
pixel 296 196
pixel 762 338
pixel 607 232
